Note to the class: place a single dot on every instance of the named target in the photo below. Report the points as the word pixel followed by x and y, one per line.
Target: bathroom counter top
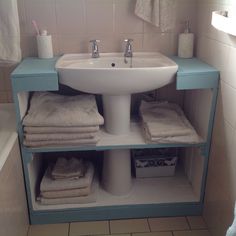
pixel 34 74
pixel 195 74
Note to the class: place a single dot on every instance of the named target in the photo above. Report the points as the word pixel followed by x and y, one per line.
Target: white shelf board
pixel 162 190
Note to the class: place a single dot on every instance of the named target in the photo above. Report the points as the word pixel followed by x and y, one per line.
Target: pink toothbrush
pixel 35 26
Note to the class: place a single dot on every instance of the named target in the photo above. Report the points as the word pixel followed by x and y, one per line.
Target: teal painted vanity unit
pixel 182 194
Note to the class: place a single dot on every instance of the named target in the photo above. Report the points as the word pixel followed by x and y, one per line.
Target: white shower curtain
pixel 9 32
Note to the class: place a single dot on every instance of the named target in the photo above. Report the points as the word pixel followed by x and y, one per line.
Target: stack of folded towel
pixel 165 122
pixel 69 181
pixel 54 119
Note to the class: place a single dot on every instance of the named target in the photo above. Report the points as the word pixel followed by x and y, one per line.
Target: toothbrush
pixel 35 27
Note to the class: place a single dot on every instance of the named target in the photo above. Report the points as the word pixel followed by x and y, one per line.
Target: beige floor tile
pixel 49 230
pixel 196 222
pixel 153 234
pixel 89 228
pixel 129 226
pixel 192 233
pixel 168 223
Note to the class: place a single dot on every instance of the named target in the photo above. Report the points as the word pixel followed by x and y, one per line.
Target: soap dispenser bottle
pixel 186 43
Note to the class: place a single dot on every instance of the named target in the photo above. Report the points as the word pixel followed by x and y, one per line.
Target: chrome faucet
pixel 128 48
pixel 95 52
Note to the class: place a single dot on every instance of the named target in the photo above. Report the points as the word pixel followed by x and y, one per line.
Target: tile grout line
pixel 149 225
pixel 109 226
pixel 190 228
pixel 172 233
pixel 69 229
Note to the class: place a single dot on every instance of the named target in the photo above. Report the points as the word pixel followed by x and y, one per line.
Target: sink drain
pixel 113 64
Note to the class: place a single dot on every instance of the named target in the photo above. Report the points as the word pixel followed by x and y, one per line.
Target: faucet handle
pixel 94 41
pixel 128 40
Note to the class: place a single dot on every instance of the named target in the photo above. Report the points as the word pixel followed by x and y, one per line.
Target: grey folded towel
pixel 58 129
pixel 48 184
pixel 76 142
pixel 49 109
pixel 59 136
pixel 92 197
pixel 68 168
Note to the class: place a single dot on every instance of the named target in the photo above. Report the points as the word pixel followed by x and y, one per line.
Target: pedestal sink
pixel 116 79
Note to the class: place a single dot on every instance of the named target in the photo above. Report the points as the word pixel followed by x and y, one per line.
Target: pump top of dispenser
pixel 187 27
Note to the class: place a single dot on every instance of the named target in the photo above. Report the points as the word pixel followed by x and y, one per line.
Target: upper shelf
pixel 34 74
pixel 222 21
pixel 134 140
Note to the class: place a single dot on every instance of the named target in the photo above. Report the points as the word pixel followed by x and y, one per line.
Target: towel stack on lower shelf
pixel 70 181
pixel 165 122
pixel 54 119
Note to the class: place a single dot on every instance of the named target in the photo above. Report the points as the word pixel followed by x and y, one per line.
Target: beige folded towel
pixel 58 129
pixel 76 142
pixel 190 138
pixel 49 109
pixel 68 168
pixel 92 197
pixel 78 192
pixel 166 122
pixel 48 184
pixel 59 136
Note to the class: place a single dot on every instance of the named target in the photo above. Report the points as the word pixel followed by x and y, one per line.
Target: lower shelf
pixel 144 191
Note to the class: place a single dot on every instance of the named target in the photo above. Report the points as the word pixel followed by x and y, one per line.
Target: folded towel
pixel 49 109
pixel 92 197
pixel 48 184
pixel 166 122
pixel 167 128
pixel 59 136
pixel 190 138
pixel 72 142
pixel 68 168
pixel 78 192
pixel 55 130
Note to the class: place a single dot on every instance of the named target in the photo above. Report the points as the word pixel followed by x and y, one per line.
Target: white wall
pixel 219 50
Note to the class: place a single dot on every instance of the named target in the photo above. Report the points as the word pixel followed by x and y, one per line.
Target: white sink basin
pixel 110 75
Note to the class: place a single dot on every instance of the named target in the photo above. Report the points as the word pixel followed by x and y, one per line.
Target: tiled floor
pixel 171 226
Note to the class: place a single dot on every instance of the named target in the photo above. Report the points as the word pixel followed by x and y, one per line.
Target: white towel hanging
pixel 160 13
pixel 9 32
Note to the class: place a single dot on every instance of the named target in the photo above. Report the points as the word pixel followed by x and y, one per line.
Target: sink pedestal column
pixel 116 176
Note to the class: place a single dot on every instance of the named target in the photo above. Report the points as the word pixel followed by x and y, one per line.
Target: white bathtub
pixel 8 134
pixel 13 207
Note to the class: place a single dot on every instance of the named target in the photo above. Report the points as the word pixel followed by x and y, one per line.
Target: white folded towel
pixel 55 129
pixel 72 142
pixel 59 136
pixel 92 197
pixel 166 122
pixel 160 13
pixel 48 184
pixel 49 109
pixel 68 168
pixel 9 32
pixel 78 192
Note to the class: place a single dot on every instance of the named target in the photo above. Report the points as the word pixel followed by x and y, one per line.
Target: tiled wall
pixel 219 49
pixel 73 23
